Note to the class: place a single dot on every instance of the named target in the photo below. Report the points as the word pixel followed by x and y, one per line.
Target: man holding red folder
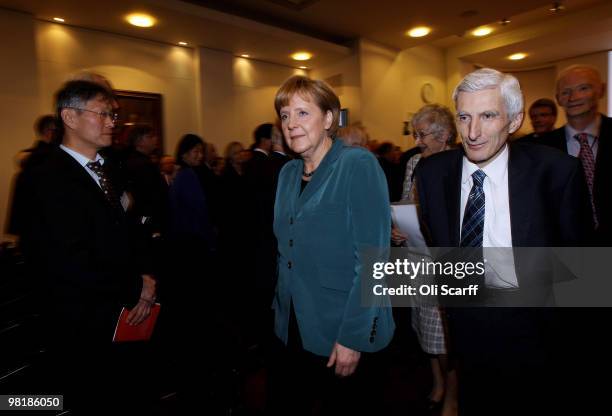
pixel 78 243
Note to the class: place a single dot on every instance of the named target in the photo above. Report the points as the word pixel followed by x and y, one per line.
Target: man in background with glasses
pixel 78 244
pixel 587 136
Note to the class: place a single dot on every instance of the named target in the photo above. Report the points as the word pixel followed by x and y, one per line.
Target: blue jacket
pixel 322 235
pixel 189 214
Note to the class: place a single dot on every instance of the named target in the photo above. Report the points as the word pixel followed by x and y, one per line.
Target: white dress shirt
pixel 257 149
pixel 499 267
pixel 83 161
pixel 592 131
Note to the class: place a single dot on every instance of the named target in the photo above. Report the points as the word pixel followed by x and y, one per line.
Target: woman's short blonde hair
pixel 310 89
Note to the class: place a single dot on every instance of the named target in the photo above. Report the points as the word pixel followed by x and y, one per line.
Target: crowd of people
pixel 262 249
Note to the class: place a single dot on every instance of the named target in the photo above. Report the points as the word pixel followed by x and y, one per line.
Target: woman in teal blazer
pixel 331 208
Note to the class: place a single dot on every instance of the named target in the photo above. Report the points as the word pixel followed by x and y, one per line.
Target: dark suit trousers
pixel 300 383
pixel 504 364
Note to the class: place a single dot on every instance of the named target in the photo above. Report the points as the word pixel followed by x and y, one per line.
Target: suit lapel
pixel 322 173
pixel 452 188
pixel 518 184
pixel 604 144
pixel 560 141
pixel 76 172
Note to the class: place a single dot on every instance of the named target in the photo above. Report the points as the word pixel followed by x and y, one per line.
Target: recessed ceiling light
pixel 557 7
pixel 482 31
pixel 418 32
pixel 303 67
pixel 245 55
pixel 59 19
pixel 517 56
pixel 183 43
pixel 141 20
pixel 301 56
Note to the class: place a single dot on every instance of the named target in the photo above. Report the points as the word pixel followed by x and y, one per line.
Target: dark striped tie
pixel 109 192
pixel 472 228
pixel 588 164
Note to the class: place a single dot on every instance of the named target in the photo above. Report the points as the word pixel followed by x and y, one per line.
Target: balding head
pixel 584 70
pixel 579 89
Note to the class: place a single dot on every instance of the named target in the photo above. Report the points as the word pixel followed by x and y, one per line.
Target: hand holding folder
pixel 125 332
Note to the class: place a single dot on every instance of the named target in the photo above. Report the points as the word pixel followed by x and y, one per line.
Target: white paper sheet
pixel 405 218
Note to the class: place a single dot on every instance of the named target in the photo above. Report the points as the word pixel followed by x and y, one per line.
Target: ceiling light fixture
pixel 140 20
pixel 301 56
pixel 183 43
pixel 59 19
pixel 245 55
pixel 557 7
pixel 303 67
pixel 419 32
pixel 482 31
pixel 517 56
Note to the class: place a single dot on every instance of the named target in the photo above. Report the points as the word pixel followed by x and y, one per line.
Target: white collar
pixel 257 149
pixel 592 129
pixel 495 171
pixel 83 160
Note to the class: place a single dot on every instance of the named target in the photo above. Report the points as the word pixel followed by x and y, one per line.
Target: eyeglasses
pixel 420 135
pixel 103 114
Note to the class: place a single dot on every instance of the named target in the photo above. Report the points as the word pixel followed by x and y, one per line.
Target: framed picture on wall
pixel 138 108
pixel 344 117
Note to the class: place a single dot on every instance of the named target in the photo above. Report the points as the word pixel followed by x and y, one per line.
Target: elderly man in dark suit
pixel 77 241
pixel 587 136
pixel 494 194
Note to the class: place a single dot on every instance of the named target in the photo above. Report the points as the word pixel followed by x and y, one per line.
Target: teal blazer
pixel 322 235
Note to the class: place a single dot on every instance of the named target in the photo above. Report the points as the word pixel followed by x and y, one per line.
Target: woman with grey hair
pixel 354 135
pixel 434 131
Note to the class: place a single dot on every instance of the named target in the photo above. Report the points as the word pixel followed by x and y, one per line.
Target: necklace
pixel 309 174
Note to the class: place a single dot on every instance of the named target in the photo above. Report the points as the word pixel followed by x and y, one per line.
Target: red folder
pixel 125 332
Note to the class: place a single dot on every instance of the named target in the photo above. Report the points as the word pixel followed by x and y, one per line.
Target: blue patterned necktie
pixel 472 229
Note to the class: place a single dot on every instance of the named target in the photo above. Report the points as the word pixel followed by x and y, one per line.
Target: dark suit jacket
pixel 37 155
pixel 548 208
pixel 149 189
pixel 603 175
pixel 80 249
pixel 259 202
pixel 529 138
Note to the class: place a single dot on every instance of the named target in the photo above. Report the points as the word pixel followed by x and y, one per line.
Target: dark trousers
pixel 100 379
pixel 510 387
pixel 301 384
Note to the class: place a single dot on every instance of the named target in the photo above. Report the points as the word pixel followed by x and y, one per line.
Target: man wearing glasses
pixel 77 243
pixel 587 136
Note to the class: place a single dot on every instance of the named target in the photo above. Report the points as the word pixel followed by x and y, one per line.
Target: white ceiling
pixel 270 31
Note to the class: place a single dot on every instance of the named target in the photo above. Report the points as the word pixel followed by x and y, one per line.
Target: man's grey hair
pixel 487 78
pixel 92 77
